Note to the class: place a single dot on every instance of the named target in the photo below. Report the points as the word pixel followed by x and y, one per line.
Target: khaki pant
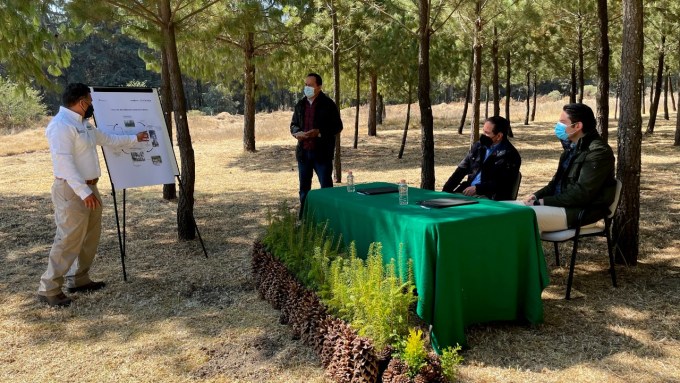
pixel 550 218
pixel 75 243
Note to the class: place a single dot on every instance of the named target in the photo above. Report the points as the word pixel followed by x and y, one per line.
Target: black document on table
pixel 438 203
pixel 377 190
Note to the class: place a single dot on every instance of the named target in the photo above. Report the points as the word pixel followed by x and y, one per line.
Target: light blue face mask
pixel 309 91
pixel 561 131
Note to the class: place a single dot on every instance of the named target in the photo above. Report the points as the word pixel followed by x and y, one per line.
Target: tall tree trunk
pixel 670 89
pixel 677 117
pixel 581 76
pixel 467 95
pixel 249 93
pixel 476 75
pixel 616 102
pixel 408 120
pixel 653 109
pixel 186 226
pixel 199 93
pixel 495 85
pixel 533 107
pixel 626 227
pixel 572 93
pixel 508 72
pixel 380 110
pixel 169 190
pixel 372 103
pixel 356 114
pixel 602 97
pixel 651 87
pixel 337 163
pixel 426 121
pixel 486 101
pixel 528 106
pixel 508 90
pixel 642 78
pixel 665 96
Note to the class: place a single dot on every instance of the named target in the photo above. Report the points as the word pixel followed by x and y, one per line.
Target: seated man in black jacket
pixel 584 179
pixel 491 166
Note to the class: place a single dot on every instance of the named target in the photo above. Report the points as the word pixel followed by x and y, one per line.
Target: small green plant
pixel 451 359
pixel 413 352
pixel 18 107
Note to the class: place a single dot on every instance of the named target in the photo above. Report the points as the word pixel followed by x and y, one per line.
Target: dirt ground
pixel 182 317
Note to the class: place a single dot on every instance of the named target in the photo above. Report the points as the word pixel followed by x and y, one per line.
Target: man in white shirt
pixel 77 204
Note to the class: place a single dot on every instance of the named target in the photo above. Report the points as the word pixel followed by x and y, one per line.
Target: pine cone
pixel 333 327
pixel 396 372
pixel 341 369
pixel 364 361
pixel 384 357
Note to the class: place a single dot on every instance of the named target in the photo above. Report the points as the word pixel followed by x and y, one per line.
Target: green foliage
pixel 555 95
pixel 136 84
pixel 372 296
pixel 413 351
pixel 589 91
pixel 450 362
pixel 195 113
pixel 18 107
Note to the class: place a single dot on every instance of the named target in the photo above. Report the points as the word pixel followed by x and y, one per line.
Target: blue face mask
pixel 561 131
pixel 309 91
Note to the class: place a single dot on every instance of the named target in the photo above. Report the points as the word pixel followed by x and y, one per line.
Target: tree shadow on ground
pixel 171 285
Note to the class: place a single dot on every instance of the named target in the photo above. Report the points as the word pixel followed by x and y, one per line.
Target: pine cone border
pixel 364 361
pixel 396 372
pixel 341 368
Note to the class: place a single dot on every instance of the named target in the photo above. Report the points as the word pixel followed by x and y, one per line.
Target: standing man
pixel 584 178
pixel 77 204
pixel 491 166
pixel 316 121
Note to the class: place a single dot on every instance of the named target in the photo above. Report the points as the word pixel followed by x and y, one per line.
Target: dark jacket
pixel 586 183
pixel 499 171
pixel 326 119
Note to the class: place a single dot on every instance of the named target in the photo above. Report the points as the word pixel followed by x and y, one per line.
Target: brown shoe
pixel 92 286
pixel 59 300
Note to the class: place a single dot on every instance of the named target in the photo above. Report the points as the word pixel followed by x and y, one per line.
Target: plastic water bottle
pixel 403 193
pixel 350 182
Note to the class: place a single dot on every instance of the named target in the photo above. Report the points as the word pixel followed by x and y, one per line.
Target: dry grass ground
pixel 184 318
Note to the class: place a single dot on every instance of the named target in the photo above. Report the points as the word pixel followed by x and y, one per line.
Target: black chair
pixel 597 229
pixel 515 187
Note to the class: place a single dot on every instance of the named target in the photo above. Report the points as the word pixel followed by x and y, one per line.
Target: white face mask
pixel 309 91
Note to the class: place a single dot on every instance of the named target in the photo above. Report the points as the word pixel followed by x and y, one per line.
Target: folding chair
pixel 592 230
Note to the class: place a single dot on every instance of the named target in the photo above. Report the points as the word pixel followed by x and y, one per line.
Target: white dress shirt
pixel 73 144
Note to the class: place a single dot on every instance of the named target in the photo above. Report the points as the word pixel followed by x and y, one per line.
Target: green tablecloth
pixel 472 264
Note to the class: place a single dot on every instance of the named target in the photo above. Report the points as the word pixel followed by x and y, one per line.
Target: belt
pixel 89 182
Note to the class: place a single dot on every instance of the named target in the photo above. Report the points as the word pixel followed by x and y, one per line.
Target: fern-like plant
pixel 451 359
pixel 413 352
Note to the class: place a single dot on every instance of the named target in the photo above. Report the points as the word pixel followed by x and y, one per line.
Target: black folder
pixel 438 203
pixel 377 190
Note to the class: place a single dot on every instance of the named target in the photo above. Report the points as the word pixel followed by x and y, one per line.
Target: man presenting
pixel 76 199
pixel 316 121
pixel 491 166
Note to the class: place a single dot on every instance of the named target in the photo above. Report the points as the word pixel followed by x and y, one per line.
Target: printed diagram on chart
pixel 143 151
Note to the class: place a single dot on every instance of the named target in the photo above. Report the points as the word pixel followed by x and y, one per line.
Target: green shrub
pixel 450 362
pixel 589 91
pixel 136 84
pixel 413 352
pixel 195 112
pixel 18 107
pixel 373 297
pixel 555 95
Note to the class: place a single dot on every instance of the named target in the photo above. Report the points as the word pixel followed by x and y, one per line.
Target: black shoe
pixel 92 286
pixel 59 300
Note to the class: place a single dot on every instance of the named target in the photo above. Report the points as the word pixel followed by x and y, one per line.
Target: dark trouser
pixel 307 165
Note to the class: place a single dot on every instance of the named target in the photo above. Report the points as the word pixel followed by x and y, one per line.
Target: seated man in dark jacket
pixel 491 166
pixel 584 178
